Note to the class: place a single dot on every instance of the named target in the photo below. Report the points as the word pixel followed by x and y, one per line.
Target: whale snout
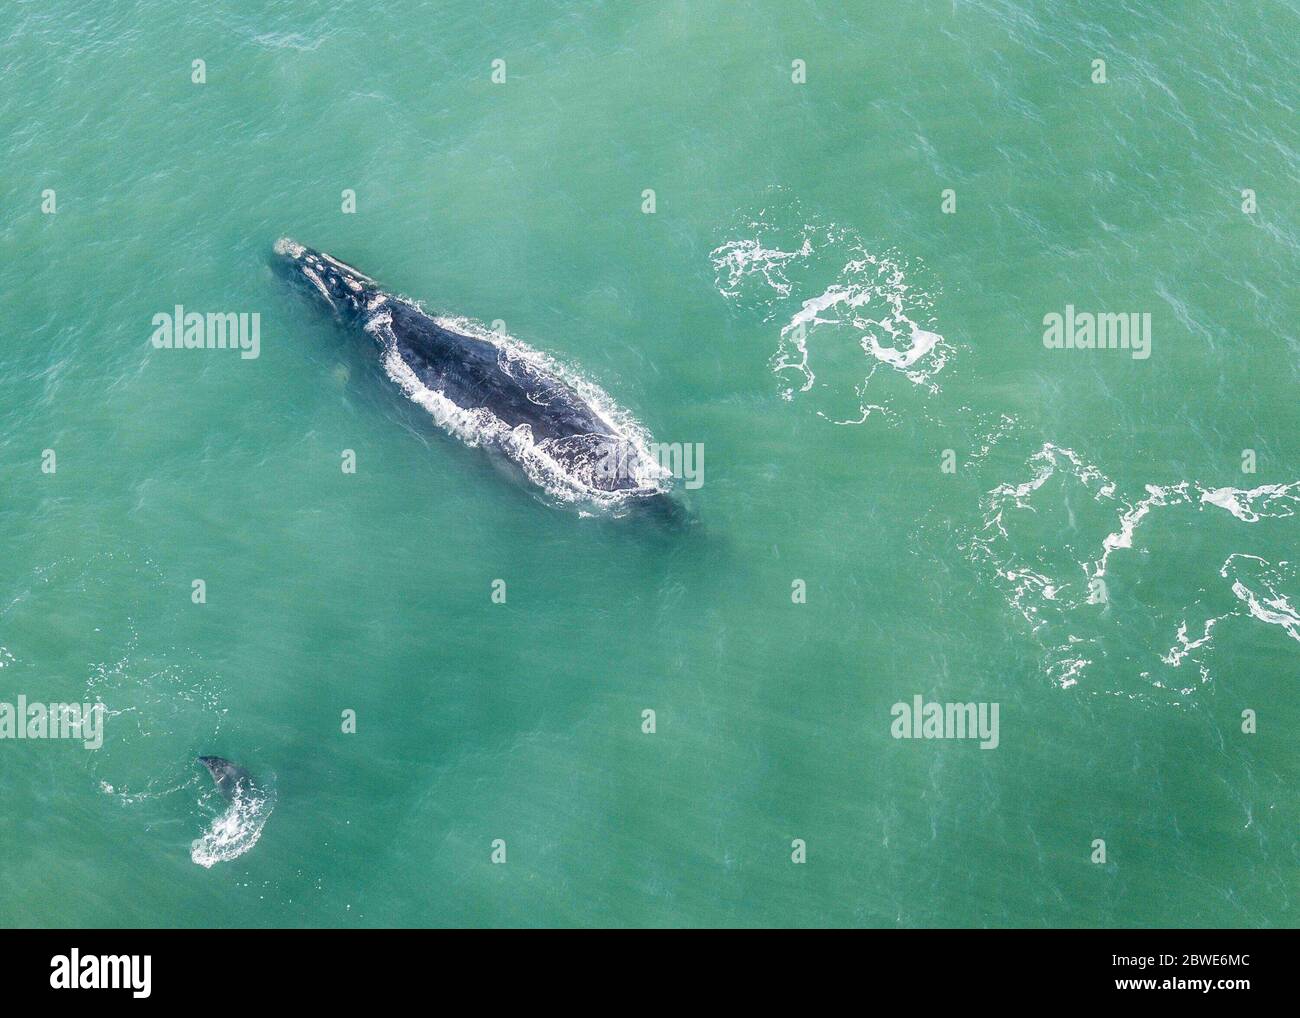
pixel 229 777
pixel 287 247
pixel 214 764
pixel 286 258
pixel 338 284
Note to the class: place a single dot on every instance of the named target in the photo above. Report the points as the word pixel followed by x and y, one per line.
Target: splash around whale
pixel 237 828
pixel 490 390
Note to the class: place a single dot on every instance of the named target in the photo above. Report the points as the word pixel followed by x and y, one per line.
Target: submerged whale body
pixel 490 390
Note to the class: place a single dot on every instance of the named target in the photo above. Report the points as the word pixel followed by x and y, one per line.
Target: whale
pixel 490 390
pixel 237 828
pixel 231 779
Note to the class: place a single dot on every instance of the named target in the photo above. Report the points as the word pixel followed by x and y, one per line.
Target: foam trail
pixel 235 831
pixel 859 296
pixel 1036 586
pixel 1269 605
pixel 1277 500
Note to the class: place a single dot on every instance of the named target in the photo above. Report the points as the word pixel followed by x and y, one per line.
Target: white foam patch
pixel 1157 497
pixel 741 259
pixel 1264 602
pixel 1256 585
pixel 1051 598
pixel 1265 502
pixel 566 469
pixel 235 831
pixel 991 543
pixel 846 293
pixel 155 708
pixel 1175 655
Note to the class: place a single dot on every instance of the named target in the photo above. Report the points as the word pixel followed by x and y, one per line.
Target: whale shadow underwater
pixel 558 432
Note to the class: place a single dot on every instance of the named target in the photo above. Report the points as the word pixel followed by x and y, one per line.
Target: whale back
pixel 474 372
pixel 490 390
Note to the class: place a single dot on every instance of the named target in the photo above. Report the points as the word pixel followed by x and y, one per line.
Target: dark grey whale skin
pixel 471 372
pixel 230 778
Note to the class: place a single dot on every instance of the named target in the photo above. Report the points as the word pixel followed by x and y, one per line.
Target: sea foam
pixel 832 292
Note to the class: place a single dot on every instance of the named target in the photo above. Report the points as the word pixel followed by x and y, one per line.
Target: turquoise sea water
pixel 1096 562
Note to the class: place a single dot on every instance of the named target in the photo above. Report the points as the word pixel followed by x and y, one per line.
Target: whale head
pixel 229 778
pixel 337 284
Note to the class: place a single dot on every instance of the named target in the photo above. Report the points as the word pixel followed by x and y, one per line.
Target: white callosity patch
pixel 334 280
pixel 568 468
pixel 1082 499
pixel 289 248
pixel 351 273
pixel 316 282
pixel 847 296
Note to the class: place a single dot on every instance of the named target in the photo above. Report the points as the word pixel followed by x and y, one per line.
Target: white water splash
pixel 740 259
pixel 1264 601
pixel 1157 497
pixel 847 295
pixel 1256 584
pixel 1274 500
pixel 1175 654
pixel 235 831
pixel 1051 600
